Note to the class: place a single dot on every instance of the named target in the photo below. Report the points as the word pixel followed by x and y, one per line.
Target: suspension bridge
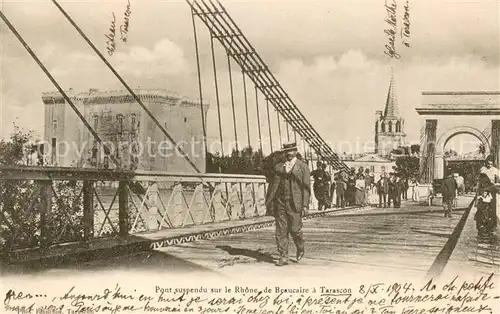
pixel 202 218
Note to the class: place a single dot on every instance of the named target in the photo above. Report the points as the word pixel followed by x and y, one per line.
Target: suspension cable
pixel 137 99
pixel 58 87
pixel 199 82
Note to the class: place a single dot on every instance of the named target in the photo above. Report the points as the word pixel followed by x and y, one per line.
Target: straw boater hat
pixel 289 147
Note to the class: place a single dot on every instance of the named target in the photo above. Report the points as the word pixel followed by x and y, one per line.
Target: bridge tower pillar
pixel 427 162
pixel 495 142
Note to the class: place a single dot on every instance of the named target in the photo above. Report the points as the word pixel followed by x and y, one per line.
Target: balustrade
pixel 44 206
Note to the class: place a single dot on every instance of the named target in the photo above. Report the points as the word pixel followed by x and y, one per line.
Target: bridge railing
pixel 44 206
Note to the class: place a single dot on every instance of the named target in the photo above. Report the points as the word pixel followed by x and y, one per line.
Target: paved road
pixel 364 241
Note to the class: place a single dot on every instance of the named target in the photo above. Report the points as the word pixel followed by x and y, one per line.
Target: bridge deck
pixel 399 241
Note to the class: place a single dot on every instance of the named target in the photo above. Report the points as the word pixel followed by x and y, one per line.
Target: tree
pixel 408 167
pixel 20 202
pixel 245 161
pixel 415 149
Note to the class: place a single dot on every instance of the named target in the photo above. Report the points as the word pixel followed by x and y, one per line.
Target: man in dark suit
pixel 383 190
pixel 449 191
pixel 320 185
pixel 341 187
pixel 391 192
pixel 290 191
pixel 398 190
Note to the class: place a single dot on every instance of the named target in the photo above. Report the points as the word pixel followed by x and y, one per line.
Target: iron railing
pixel 45 206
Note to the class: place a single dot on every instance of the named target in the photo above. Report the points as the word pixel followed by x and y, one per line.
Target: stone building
pixel 389 125
pixel 376 164
pixel 133 137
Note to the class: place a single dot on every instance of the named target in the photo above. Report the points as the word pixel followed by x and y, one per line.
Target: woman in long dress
pixel 360 193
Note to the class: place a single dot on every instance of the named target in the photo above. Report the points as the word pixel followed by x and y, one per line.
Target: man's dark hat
pixel 289 147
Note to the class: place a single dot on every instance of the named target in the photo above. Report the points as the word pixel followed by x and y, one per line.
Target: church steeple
pixel 389 126
pixel 391 104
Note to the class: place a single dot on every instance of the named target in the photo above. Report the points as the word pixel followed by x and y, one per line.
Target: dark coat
pixel 449 189
pixel 300 184
pixel 383 186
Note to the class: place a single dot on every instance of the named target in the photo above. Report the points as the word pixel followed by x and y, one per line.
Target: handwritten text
pixel 391 20
pixel 110 42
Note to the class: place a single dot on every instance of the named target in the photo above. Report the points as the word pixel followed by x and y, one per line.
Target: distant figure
pixel 399 187
pixel 460 183
pixel 327 187
pixel 320 185
pixel 405 187
pixel 341 187
pixel 351 187
pixel 391 193
pixel 485 216
pixel 383 190
pixel 493 175
pixel 449 192
pixel 290 192
pixel 415 195
pixel 361 190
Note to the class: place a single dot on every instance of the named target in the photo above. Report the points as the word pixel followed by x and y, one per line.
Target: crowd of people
pixel 361 188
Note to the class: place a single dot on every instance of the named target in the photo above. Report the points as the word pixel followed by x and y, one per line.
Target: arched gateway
pixel 448 114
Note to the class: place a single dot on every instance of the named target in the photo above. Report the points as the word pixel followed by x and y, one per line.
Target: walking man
pixel 449 191
pixel 290 191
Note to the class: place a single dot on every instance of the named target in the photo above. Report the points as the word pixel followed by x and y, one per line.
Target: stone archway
pixel 447 114
pixel 447 136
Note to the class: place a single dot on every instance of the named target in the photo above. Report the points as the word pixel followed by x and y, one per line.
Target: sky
pixel 328 56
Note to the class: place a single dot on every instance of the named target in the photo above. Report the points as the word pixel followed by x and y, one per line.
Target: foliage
pixel 468 169
pixel 245 161
pixel 415 148
pixel 20 202
pixel 408 166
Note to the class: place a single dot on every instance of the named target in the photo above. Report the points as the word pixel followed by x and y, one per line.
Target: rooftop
pixel 96 93
pixel 460 103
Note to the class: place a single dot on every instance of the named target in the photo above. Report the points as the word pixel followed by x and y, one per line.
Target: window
pixel 383 127
pixel 119 120
pixel 133 121
pixel 185 120
pixel 96 121
pixel 372 169
pixel 390 126
pixel 54 151
pixel 54 125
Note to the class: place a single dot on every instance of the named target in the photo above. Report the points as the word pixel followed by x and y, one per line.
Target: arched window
pixel 133 121
pixel 398 126
pixel 119 121
pixel 390 126
pixel 383 127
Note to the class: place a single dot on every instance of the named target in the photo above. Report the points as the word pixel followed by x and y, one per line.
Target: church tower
pixel 389 126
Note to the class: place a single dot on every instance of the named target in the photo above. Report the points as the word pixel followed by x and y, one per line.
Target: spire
pixel 391 105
